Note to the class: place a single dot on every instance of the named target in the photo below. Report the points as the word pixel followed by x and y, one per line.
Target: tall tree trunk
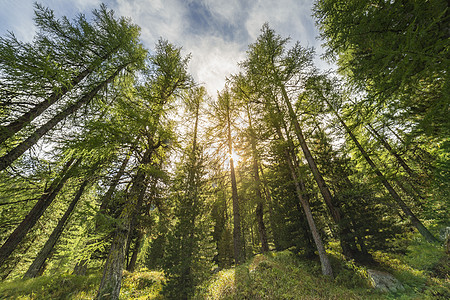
pixel 40 259
pixel 259 198
pixel 112 273
pixel 412 217
pixel 397 156
pixel 326 194
pixel 81 266
pixel 300 190
pixel 10 157
pixel 132 264
pixel 36 212
pixel 237 240
pixel 106 199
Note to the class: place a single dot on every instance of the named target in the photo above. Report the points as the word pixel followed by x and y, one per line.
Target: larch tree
pixel 166 76
pixel 122 51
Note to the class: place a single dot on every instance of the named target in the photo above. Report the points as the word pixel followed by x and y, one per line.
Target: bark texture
pixel 112 273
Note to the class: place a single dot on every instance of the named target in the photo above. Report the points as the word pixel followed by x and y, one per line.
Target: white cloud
pixel 157 18
pixel 215 51
pixel 212 60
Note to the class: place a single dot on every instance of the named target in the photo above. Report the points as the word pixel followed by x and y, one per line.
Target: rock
pixel 384 282
pixel 444 233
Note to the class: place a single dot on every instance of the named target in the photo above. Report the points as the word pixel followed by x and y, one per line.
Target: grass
pixel 144 285
pixel 424 272
pixel 281 275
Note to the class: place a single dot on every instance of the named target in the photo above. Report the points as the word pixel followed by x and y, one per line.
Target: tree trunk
pixel 112 274
pixel 40 259
pixel 343 233
pixel 300 189
pixel 237 242
pixel 81 266
pixel 11 129
pixel 132 264
pixel 312 164
pixel 414 220
pixel 106 199
pixel 10 157
pixel 259 198
pixel 397 156
pixel 36 212
pixel 15 126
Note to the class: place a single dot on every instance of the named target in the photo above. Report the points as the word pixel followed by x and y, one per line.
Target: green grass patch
pixel 138 285
pixel 280 275
pixel 52 287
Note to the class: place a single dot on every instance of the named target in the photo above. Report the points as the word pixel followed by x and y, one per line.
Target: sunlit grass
pixel 138 285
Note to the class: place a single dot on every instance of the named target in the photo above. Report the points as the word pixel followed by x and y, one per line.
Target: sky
pixel 215 32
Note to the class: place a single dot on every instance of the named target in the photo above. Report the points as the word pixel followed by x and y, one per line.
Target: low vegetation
pixel 275 275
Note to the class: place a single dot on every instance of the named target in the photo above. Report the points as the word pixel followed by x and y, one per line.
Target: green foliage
pixel 397 51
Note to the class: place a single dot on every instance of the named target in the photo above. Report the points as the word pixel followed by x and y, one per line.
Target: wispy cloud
pixel 215 32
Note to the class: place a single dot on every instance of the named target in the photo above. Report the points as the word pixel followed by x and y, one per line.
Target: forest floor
pixel 423 271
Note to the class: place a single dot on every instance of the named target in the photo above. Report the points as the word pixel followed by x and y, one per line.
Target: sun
pixel 235 157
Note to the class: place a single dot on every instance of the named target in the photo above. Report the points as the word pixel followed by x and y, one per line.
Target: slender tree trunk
pixel 15 126
pixel 16 260
pixel 12 128
pixel 414 220
pixel 41 258
pixel 36 212
pixel 10 157
pixel 326 194
pixel 132 264
pixel 259 198
pixel 300 189
pixel 106 199
pixel 397 156
pixel 81 266
pixel 237 241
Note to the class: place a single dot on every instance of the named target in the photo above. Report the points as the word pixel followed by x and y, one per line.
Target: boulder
pixel 444 234
pixel 384 281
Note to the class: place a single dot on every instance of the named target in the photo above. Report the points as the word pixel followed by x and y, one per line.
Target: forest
pixel 121 178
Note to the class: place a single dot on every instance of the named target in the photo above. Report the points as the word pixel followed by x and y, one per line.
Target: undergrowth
pixel 423 271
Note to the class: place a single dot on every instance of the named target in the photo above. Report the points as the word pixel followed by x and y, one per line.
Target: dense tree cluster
pixel 113 158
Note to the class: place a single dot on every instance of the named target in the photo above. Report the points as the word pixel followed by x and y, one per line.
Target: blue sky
pixel 215 32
